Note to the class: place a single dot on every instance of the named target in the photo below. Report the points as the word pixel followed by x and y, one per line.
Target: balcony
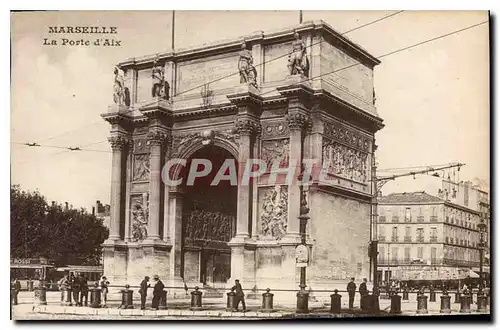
pixel 395 219
pixel 434 218
pixel 463 263
pixel 407 239
pixel 420 218
pixel 420 239
pixel 394 238
pixel 381 238
pixel 433 239
pixel 381 218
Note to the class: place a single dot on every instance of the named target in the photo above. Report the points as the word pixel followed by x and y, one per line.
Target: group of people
pixel 351 290
pixel 78 284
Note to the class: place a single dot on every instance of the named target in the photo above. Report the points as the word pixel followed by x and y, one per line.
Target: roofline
pixel 271 36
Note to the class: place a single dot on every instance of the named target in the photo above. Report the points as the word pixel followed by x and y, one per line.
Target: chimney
pixel 93 210
pixel 66 205
pixel 53 203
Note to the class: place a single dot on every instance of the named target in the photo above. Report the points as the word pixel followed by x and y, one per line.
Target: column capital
pixel 119 142
pixel 157 138
pixel 247 126
pixel 298 121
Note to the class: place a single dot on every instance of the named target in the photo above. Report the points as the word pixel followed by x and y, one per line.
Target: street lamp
pixel 302 252
pixel 482 240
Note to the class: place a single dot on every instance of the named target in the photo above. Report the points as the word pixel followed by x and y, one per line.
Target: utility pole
pixel 378 183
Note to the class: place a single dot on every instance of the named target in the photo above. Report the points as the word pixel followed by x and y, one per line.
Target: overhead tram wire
pixel 381 56
pixel 75 148
pixel 237 72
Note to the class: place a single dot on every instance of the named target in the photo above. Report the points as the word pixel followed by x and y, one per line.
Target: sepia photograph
pixel 250 165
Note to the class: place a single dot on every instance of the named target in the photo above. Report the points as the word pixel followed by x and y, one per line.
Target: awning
pixel 30 266
pixel 82 269
pixel 472 274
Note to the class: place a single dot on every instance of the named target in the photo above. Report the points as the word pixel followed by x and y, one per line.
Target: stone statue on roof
pixel 298 63
pixel 248 74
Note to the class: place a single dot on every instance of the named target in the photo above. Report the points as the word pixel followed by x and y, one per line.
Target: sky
pixel 434 99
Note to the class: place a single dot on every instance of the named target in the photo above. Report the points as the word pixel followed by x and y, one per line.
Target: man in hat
pixel 363 292
pixel 239 295
pixel 351 290
pixel 143 291
pixel 157 292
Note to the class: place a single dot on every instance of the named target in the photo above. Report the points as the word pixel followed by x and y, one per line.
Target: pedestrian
pixel 15 287
pixel 103 283
pixel 63 286
pixel 239 295
pixel 76 289
pixel 157 292
pixel 143 291
pixel 351 290
pixel 363 292
pixel 84 293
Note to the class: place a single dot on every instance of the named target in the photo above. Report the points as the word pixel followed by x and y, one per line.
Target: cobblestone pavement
pixel 213 308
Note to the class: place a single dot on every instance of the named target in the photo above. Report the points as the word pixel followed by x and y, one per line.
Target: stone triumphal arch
pixel 294 94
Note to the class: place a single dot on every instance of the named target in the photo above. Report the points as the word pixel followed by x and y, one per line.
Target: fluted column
pixel 247 128
pixel 156 140
pixel 118 144
pixel 297 123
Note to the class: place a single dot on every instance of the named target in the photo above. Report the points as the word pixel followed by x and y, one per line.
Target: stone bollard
pixel 95 296
pixel 375 305
pixel 432 295
pixel 230 300
pixel 163 301
pixel 127 298
pixel 267 301
pixel 405 294
pixel 196 299
pixel 482 302
pixel 40 295
pixel 457 297
pixel 67 297
pixel 396 304
pixel 335 300
pixel 465 303
pixel 445 303
pixel 421 304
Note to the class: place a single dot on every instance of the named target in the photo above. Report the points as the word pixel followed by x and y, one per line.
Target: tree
pixel 63 234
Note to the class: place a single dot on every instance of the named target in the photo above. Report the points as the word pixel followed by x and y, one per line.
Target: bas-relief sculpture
pixel 205 227
pixel 344 161
pixel 121 94
pixel 275 150
pixel 274 213
pixel 183 142
pixel 141 167
pixel 160 88
pixel 298 63
pixel 248 74
pixel 140 215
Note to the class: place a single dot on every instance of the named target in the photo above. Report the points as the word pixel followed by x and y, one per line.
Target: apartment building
pixel 423 237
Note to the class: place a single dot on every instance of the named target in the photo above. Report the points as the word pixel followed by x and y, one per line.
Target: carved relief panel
pixel 204 227
pixel 343 161
pixel 141 167
pixel 274 214
pixel 275 151
pixel 139 217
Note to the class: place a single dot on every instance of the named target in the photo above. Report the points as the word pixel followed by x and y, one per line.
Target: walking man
pixel 15 288
pixel 351 290
pixel 239 296
pixel 84 293
pixel 363 292
pixel 76 289
pixel 104 290
pixel 143 291
pixel 63 286
pixel 157 292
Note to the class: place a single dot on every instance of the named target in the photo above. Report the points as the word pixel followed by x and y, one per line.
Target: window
pixel 420 217
pixel 433 237
pixel 381 233
pixel 394 254
pixel 433 255
pixel 407 254
pixel 394 234
pixel 420 235
pixel 381 254
pixel 408 234
pixel 408 214
pixel 420 252
pixel 395 216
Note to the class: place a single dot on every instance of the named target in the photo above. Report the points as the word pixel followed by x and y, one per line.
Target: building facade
pixel 424 237
pixel 248 98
